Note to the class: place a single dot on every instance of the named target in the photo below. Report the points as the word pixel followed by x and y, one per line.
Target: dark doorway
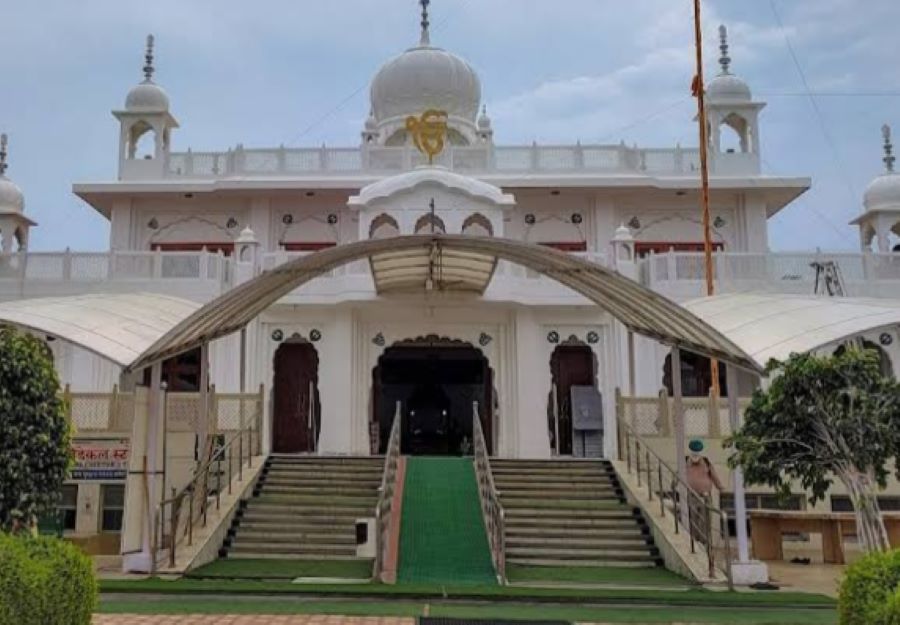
pixel 295 407
pixel 570 365
pixel 436 382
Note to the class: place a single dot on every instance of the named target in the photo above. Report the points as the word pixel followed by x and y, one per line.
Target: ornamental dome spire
pixel 884 192
pixel 425 38
pixel 726 87
pixel 147 97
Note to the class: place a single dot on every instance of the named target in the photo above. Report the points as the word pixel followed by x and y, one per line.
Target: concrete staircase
pixel 570 513
pixel 305 508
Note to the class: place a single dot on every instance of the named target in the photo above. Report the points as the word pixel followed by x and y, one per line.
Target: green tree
pixel 35 445
pixel 824 418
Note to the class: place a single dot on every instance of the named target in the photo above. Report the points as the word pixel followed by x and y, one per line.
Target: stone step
pixel 326 490
pixel 616 562
pixel 623 532
pixel 316 461
pixel 345 536
pixel 553 480
pixel 562 514
pixel 562 504
pixel 301 479
pixel 268 507
pixel 251 555
pixel 324 473
pixel 560 553
pixel 303 499
pixel 285 525
pixel 550 474
pixel 591 493
pixel 321 549
pixel 631 544
pixel 274 516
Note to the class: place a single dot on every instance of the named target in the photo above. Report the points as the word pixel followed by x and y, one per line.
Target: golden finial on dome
pixel 428 132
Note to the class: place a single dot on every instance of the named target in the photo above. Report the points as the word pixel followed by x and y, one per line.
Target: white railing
pixel 384 507
pixel 491 508
pixel 653 417
pixel 467 159
pixel 110 266
pixel 781 272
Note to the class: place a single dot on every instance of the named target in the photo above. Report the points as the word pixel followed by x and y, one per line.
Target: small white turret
pixel 146 115
pixel 881 218
pixel 730 108
pixel 14 225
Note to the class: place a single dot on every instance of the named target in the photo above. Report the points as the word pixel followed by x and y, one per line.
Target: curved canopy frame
pixel 641 310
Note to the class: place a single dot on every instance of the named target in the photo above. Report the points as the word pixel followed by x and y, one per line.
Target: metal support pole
pixel 632 381
pixel 680 445
pixel 737 475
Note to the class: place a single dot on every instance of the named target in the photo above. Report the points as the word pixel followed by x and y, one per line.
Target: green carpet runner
pixel 442 537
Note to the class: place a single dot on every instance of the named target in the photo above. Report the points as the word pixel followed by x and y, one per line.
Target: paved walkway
pixel 253 619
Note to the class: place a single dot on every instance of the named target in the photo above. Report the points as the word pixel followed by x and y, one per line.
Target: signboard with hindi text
pixel 100 458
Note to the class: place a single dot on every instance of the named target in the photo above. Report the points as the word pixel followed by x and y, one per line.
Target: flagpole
pixel 700 94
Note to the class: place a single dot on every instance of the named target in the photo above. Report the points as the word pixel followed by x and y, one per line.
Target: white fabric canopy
pixel 767 325
pixel 118 327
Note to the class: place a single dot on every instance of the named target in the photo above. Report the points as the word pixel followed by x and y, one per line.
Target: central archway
pixel 435 381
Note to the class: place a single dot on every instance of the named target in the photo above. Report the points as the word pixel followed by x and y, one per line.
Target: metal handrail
pixel 198 491
pixel 491 509
pixel 384 505
pixel 707 525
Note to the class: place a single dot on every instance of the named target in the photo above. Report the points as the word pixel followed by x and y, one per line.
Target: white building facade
pixel 336 355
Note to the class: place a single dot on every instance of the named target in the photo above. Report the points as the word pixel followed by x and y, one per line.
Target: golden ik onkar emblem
pixel 428 132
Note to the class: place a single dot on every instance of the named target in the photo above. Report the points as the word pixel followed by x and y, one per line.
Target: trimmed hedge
pixel 45 581
pixel 870 591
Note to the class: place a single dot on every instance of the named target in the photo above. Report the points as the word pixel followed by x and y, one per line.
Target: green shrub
pixel 870 591
pixel 45 581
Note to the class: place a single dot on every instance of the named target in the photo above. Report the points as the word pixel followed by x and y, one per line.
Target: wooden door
pixel 295 394
pixel 570 365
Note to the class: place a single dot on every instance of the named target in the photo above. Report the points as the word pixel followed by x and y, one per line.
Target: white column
pixel 744 571
pixel 532 374
pixel 336 382
pixel 142 491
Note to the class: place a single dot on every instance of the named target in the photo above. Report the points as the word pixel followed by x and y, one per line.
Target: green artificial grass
pixel 622 576
pixel 442 536
pixel 718 616
pixel 238 568
pixel 695 597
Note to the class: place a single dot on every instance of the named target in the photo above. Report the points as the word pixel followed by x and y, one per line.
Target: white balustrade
pixel 91 267
pixel 326 161
pixel 780 272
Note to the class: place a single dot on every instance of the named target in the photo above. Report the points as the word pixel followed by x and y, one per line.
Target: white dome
pixel 425 78
pixel 883 193
pixel 728 88
pixel 147 97
pixel 12 200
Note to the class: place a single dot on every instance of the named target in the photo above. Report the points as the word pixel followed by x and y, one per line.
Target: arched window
pixel 428 223
pixel 141 141
pixel 477 225
pixel 696 376
pixel 734 135
pixel 383 227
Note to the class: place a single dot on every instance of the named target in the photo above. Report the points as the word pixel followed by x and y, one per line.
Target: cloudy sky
pixel 296 72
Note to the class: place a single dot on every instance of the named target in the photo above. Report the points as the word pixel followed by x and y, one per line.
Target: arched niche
pixel 383 227
pixel 429 223
pixel 478 225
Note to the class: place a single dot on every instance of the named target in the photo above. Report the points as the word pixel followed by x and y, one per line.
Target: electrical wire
pixel 823 127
